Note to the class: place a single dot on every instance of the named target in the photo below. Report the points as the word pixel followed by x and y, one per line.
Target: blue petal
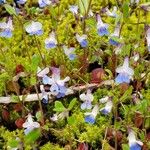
pixel 62 89
pixel 88 105
pixel 102 31
pixel 83 43
pixel 50 45
pixel 122 77
pixel 135 147
pixel 20 1
pixel 104 111
pixel 113 42
pixel 38 32
pixel 72 56
pixel 43 4
pixel 6 33
pixel 45 80
pixel 60 95
pixel 90 119
pixel 45 101
pixel 54 88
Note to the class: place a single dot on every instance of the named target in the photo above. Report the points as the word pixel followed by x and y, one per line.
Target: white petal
pixel 104 99
pixel 83 97
pixel 95 110
pixel 43 72
pixel 36 125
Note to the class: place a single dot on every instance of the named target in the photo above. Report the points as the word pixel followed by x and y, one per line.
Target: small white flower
pixel 113 13
pixel 136 57
pixel 54 118
pixel 30 125
pixel 21 1
pixel 108 107
pixel 74 9
pixel 87 99
pixel 34 28
pixel 90 117
pixel 6 29
pixel 133 143
pixel 51 41
pixel 101 27
pixel 125 68
pixel 82 40
pixel 134 1
pixel 43 3
pixel 69 52
pixel 104 99
pixel 42 73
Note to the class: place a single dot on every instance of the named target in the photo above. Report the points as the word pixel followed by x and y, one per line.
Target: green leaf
pixel 35 62
pixel 91 22
pixel 125 147
pixel 39 115
pixel 83 6
pixel 71 120
pixel 10 9
pixel 125 10
pixel 32 136
pixel 127 94
pixel 13 143
pixel 72 103
pixel 32 80
pixel 59 107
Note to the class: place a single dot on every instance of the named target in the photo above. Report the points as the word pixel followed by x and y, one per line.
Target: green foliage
pixel 59 107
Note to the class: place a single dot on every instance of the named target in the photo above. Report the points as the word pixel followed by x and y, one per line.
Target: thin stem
pixel 38 47
pixel 41 109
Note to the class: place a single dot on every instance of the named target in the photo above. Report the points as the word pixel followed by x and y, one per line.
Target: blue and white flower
pixel 125 73
pixel 57 88
pixel 113 13
pixel 82 40
pixel 43 3
pixel 34 28
pixel 114 38
pixel 148 38
pixel 74 9
pixel 6 29
pixel 2 1
pixel 133 143
pixel 30 125
pixel 69 52
pixel 108 107
pixel 90 117
pixel 51 41
pixel 102 28
pixel 87 98
pixel 41 73
pixel 134 1
pixel 21 2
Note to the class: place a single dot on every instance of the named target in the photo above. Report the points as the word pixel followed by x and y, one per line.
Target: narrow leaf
pixel 10 9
